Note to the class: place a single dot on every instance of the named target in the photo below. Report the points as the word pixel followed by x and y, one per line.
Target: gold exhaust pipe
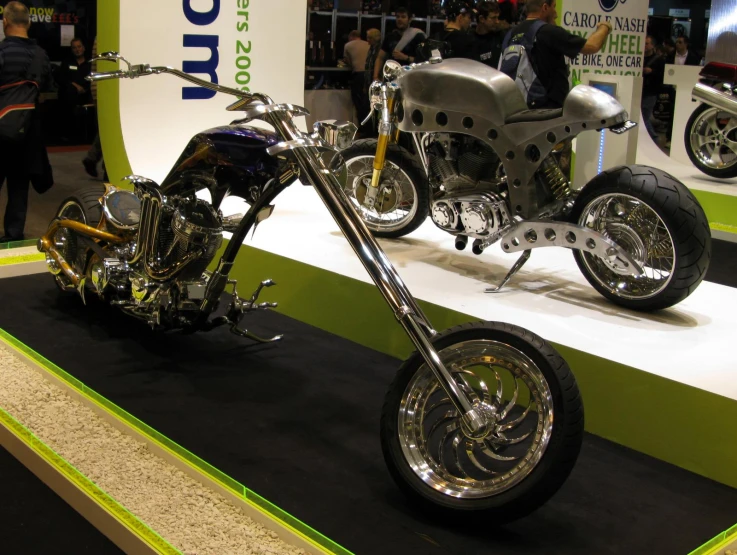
pixel 46 244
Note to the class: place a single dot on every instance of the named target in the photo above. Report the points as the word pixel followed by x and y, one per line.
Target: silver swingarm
pixel 527 235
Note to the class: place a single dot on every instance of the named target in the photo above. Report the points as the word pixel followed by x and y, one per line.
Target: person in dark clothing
pixel 73 75
pixel 458 15
pixel 683 55
pixel 25 161
pixel 399 45
pixel 653 72
pixel 489 33
pixel 552 46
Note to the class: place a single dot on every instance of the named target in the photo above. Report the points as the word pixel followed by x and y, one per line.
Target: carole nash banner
pixel 623 51
pixel 244 44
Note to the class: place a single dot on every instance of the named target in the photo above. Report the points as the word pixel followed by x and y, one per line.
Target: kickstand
pixel 516 268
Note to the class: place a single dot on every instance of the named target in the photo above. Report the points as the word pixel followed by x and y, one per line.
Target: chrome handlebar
pixel 141 70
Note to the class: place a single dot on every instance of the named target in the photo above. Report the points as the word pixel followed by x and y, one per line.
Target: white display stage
pixel 689 343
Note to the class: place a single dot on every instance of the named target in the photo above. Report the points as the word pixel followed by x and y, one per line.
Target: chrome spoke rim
pixel 637 229
pixel 713 139
pixel 394 180
pixel 512 393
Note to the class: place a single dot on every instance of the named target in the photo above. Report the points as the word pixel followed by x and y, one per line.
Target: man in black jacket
pixel 20 162
pixel 653 71
pixel 458 16
pixel 489 33
pixel 682 56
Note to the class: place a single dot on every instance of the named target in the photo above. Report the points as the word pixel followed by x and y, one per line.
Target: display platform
pixel 297 422
pixel 636 370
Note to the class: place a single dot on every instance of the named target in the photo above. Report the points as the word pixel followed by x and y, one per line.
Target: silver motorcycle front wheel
pixel 530 399
pixel 402 201
pixel 711 141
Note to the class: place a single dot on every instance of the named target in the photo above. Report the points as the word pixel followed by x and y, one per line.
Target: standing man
pixel 653 72
pixel 23 160
pixel 682 56
pixel 489 33
pixel 552 45
pixel 457 23
pixel 399 45
pixel 75 71
pixel 355 54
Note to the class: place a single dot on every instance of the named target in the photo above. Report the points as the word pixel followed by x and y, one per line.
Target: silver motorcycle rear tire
pixel 659 222
pixel 527 456
pixel 711 141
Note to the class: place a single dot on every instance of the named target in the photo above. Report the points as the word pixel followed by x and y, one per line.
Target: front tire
pixel 657 220
pixel 711 141
pixel 403 201
pixel 526 389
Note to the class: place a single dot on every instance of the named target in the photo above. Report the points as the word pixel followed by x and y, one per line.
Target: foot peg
pixel 239 307
pixel 516 268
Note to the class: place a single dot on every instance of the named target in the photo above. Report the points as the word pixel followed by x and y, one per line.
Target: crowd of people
pixel 497 26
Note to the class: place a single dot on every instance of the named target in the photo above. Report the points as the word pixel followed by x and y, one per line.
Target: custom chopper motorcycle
pixel 711 131
pixel 487 168
pixel 483 419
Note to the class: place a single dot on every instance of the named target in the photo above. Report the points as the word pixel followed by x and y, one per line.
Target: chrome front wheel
pixel 533 412
pixel 401 204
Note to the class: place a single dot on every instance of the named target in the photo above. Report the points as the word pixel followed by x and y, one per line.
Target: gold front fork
pixel 386 135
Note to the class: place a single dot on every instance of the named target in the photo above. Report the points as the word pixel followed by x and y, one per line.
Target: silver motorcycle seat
pixel 527 116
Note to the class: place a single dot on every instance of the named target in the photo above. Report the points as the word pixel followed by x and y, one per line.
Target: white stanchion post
pixel 683 78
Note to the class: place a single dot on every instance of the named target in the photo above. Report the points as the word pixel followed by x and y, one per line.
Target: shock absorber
pixel 554 178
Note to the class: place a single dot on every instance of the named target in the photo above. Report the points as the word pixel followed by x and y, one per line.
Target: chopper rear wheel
pixel 84 206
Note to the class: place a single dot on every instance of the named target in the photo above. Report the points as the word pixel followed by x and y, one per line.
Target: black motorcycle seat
pixel 526 116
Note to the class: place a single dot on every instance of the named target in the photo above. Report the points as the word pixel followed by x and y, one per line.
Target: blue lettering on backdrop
pixel 201 18
pixel 208 67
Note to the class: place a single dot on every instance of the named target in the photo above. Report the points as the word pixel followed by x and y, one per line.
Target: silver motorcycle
pixel 486 168
pixel 711 131
pixel 484 418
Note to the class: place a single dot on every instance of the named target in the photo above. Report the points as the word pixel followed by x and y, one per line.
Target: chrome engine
pixel 189 234
pixel 467 175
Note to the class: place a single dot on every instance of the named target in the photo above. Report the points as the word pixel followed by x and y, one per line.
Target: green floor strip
pixel 717 544
pixel 235 487
pixel 83 483
pixel 21 259
pixel 19 244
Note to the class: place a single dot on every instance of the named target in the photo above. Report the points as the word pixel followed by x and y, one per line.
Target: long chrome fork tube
pixel 377 264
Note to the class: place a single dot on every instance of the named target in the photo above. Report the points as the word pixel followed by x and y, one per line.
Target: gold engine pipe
pixel 46 244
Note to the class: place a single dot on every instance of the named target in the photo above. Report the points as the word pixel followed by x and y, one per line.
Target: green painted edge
pixel 108 93
pixel 19 244
pixel 292 523
pixel 631 407
pixel 715 545
pixel 721 209
pixel 109 504
pixel 21 259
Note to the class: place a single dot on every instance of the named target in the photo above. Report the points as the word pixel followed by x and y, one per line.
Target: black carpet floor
pixel 298 424
pixel 35 520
